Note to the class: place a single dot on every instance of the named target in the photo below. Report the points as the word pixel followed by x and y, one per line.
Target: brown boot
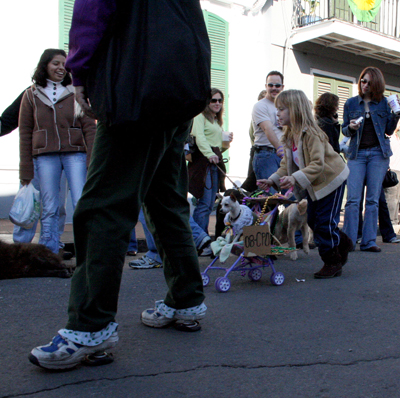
pixel 345 246
pixel 332 266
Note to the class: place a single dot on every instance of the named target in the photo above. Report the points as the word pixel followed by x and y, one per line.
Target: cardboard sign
pixel 257 240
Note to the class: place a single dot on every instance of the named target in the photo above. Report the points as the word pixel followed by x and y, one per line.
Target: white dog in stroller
pixel 236 215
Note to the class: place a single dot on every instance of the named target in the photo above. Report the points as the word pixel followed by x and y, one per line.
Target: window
pixel 389 92
pixel 342 89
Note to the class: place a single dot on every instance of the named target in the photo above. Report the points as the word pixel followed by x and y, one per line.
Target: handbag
pixel 25 210
pixel 390 179
pixel 153 64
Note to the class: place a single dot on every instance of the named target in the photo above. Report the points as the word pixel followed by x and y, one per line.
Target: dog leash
pixel 226 175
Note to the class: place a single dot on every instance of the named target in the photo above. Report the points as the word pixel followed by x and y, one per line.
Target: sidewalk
pixel 6 230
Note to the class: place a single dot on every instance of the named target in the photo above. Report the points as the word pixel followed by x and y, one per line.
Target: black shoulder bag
pixel 390 180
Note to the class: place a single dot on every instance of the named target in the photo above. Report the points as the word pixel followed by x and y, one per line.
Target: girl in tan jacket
pixel 52 139
pixel 315 171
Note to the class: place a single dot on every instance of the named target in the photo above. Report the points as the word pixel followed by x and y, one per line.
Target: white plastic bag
pixel 25 210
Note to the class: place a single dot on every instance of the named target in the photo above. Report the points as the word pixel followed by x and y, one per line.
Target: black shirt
pixel 369 139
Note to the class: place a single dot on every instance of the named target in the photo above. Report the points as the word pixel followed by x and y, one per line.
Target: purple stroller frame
pixel 246 265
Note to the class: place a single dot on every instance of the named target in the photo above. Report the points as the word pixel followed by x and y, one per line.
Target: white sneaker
pixel 144 263
pixel 203 244
pixel 162 315
pixel 62 353
pixel 394 240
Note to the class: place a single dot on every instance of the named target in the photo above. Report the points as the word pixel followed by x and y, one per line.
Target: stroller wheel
pixel 206 279
pixel 222 284
pixel 277 278
pixel 255 274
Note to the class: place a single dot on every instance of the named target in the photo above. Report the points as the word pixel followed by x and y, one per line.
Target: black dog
pixel 25 260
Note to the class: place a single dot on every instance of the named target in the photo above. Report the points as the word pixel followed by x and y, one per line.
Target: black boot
pixel 332 265
pixel 345 246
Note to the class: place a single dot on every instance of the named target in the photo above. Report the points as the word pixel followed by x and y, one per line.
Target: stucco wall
pixel 26 29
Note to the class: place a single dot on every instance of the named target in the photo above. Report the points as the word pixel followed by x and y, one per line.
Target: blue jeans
pixel 133 245
pixel 324 217
pixel 205 204
pixel 49 168
pixel 369 166
pixel 265 163
pixel 22 235
pixel 385 225
pixel 198 233
pixel 151 244
pixel 198 236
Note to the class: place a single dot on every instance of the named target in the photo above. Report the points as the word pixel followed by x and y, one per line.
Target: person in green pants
pixel 134 162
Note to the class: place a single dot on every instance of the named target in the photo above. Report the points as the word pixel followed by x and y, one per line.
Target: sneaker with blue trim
pixel 144 263
pixel 62 353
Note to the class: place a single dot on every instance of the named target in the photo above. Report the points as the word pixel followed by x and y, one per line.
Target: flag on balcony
pixel 365 10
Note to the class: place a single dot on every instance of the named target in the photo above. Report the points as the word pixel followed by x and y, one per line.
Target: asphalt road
pixel 317 338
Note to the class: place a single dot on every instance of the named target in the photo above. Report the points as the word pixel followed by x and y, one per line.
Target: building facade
pixel 318 45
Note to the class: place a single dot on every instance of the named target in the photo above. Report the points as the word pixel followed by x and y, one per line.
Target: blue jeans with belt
pixel 265 163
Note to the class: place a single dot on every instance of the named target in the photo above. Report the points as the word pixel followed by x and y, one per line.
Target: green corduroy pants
pixel 131 167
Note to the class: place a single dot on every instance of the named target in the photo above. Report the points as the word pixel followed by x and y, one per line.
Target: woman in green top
pixel 203 171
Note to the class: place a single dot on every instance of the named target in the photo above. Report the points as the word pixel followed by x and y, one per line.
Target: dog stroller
pixel 252 266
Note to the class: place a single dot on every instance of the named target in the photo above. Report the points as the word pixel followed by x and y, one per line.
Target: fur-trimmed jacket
pixel 45 127
pixel 321 170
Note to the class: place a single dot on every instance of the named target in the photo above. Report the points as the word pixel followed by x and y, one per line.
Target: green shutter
pixel 342 89
pixel 217 29
pixel 218 34
pixel 66 8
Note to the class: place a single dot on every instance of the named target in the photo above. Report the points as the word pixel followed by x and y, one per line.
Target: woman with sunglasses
pixel 368 120
pixel 205 176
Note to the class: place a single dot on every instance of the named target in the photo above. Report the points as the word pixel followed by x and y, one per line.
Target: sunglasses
pixel 215 100
pixel 365 81
pixel 274 85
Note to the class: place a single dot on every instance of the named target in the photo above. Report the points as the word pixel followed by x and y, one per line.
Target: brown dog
pixel 25 260
pixel 293 218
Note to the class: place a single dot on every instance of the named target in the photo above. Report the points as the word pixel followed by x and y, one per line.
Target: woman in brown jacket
pixel 53 138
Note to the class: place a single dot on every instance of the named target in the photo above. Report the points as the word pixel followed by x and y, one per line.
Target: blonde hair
pixel 301 116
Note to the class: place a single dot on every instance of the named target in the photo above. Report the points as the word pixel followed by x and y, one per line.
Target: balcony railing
pixel 386 21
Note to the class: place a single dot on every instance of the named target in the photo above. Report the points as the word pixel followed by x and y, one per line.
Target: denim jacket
pixel 383 119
